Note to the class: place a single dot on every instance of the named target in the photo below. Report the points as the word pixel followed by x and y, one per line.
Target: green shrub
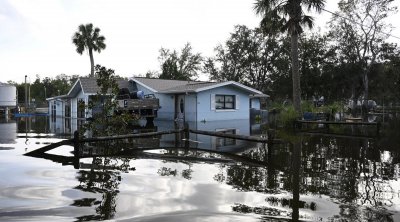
pixel 287 116
pixel 258 118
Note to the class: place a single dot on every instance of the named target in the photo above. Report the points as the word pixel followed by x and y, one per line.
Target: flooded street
pixel 310 177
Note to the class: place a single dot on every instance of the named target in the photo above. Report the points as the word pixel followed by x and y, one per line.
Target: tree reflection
pixel 102 177
pixel 351 171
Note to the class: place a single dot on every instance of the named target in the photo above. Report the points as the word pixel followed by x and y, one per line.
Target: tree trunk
pixel 91 63
pixel 295 72
pixel 364 105
pixel 365 83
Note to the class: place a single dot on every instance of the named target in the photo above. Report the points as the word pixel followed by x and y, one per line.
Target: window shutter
pixel 212 99
pixel 237 104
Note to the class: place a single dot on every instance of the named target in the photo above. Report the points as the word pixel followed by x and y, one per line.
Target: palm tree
pixel 87 38
pixel 288 16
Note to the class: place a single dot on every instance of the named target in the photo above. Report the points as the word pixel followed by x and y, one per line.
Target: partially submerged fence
pixel 301 124
pixel 78 140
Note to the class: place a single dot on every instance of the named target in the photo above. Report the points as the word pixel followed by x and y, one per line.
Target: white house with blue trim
pixel 190 101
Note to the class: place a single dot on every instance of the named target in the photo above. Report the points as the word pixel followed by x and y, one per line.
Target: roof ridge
pixel 178 80
pixel 200 82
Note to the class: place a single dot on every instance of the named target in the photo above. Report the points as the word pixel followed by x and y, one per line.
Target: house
pixel 195 101
pixel 72 104
pixel 185 100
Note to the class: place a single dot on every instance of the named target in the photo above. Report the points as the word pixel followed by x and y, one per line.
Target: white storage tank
pixel 8 95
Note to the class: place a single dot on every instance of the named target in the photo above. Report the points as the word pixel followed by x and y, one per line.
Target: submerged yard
pixel 311 177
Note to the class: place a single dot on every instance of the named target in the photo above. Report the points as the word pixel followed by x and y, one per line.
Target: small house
pixel 182 100
pixel 200 101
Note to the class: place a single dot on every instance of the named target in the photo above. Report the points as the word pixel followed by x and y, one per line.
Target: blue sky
pixel 35 35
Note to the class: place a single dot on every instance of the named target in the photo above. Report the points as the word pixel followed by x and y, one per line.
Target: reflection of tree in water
pixel 185 173
pixel 104 178
pixel 285 202
pixel 348 170
pixel 270 211
pixel 165 171
pixel 260 179
pixel 356 213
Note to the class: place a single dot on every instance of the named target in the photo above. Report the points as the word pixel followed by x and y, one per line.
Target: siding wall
pixel 74 103
pixel 167 107
pixel 198 106
pixel 205 112
pixel 190 107
pixel 255 103
pixel 60 107
pixel 167 103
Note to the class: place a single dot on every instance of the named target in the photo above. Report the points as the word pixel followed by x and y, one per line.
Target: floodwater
pixel 304 176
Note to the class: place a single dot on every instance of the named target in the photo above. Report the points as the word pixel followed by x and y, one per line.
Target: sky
pixel 36 35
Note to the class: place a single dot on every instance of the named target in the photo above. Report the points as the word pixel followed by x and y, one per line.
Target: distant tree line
pixel 42 88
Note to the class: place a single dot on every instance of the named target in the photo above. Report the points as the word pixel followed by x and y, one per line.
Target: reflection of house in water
pixel 61 125
pixel 239 127
pixel 8 131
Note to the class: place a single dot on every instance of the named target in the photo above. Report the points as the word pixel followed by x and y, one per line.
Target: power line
pixel 333 13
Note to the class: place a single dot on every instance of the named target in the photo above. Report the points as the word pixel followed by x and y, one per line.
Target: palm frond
pixel 272 22
pixel 307 21
pixel 261 7
pixel 89 38
pixel 317 5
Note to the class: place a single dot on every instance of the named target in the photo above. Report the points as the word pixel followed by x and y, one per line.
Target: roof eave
pixel 144 85
pixel 177 91
pixel 229 83
pixel 72 88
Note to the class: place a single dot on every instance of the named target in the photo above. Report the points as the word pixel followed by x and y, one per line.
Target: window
pixel 224 101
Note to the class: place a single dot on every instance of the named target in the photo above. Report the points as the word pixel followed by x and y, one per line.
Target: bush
pixel 287 116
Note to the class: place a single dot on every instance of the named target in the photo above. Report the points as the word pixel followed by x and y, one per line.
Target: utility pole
pixel 26 95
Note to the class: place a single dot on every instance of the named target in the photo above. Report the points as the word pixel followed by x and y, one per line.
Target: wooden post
pixel 271 135
pixel 76 143
pixel 186 136
pixel 378 126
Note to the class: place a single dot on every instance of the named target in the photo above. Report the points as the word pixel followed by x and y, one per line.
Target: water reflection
pixel 103 176
pixel 8 132
pixel 308 177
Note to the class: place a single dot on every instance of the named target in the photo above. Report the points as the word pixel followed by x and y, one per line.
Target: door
pixel 180 107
